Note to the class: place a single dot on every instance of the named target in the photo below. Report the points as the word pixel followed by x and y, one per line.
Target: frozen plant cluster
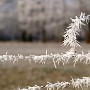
pixel 57 58
pixel 84 82
pixel 81 83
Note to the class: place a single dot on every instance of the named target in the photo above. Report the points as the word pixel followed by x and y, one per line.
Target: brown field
pixel 23 74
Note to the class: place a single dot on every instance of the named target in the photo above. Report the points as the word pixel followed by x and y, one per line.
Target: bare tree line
pixel 44 19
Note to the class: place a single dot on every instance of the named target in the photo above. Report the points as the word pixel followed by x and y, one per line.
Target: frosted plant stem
pixel 73 30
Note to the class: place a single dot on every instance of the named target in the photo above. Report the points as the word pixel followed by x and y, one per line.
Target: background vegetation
pixel 40 20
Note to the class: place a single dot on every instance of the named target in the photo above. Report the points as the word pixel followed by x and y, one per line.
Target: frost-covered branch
pixel 73 30
pixel 84 82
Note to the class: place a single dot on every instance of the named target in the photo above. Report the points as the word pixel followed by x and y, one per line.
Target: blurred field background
pixel 31 27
